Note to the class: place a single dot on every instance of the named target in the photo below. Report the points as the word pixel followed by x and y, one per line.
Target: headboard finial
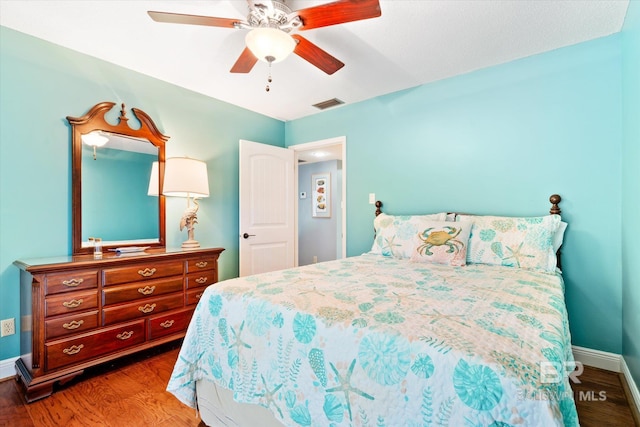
pixel 378 206
pixel 555 199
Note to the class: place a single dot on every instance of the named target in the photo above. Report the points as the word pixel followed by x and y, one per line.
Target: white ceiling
pixel 326 153
pixel 412 43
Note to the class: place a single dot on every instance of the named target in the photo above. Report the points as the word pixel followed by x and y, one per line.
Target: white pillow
pixel 558 238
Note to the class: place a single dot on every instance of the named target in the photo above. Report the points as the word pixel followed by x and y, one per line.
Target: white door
pixel 266 208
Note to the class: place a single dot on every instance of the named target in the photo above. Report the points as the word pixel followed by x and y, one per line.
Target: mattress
pixel 378 341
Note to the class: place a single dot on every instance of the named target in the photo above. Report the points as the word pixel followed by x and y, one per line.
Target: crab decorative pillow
pixel 395 233
pixel 442 242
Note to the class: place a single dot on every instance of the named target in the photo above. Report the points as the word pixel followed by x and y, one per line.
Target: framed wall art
pixel 321 200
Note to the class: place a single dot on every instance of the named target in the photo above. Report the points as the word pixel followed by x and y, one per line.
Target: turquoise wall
pixel 502 140
pixel 496 140
pixel 631 191
pixel 41 84
pixel 115 204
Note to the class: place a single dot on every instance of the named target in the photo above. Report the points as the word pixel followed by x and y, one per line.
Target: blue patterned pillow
pixel 395 234
pixel 525 242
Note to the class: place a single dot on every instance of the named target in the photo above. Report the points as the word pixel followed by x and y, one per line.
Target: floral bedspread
pixel 376 341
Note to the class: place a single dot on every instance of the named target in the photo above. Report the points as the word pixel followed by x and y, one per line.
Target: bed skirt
pixel 218 409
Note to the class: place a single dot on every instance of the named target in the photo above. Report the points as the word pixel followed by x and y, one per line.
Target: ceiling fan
pixel 274 25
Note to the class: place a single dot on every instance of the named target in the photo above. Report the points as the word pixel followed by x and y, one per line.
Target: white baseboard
pixel 7 368
pixel 597 358
pixel 635 393
pixel 610 362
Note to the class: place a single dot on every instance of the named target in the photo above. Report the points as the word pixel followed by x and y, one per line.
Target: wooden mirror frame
pixel 95 120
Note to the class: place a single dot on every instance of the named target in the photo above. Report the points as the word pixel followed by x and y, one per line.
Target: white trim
pixel 7 368
pixel 610 362
pixel 597 358
pixel 635 394
pixel 314 145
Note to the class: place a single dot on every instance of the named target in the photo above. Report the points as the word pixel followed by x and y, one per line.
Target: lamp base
pixel 190 244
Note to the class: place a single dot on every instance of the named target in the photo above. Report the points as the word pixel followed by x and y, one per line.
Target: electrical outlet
pixel 7 327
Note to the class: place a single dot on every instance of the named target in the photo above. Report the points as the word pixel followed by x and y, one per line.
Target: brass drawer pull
pixel 202 264
pixel 202 280
pixel 167 324
pixel 198 296
pixel 72 283
pixel 147 308
pixel 74 349
pixel 147 272
pixel 73 303
pixel 74 324
pixel 125 335
pixel 147 290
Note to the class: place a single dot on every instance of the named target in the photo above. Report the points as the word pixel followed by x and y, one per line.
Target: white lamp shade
pixel 185 177
pixel 154 181
pixel 267 43
pixel 94 139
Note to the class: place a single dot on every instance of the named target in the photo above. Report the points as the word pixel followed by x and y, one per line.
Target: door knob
pixel 247 235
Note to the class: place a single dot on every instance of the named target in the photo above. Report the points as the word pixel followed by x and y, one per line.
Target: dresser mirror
pixel 117 172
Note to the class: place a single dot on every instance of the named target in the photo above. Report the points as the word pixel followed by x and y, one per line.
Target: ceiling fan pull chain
pixel 269 79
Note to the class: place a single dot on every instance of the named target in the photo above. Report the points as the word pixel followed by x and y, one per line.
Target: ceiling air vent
pixel 328 103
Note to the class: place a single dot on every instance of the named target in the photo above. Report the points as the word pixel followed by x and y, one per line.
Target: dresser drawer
pixel 80 311
pixel 143 271
pixel 200 264
pixel 168 324
pixel 194 295
pixel 73 350
pixel 126 293
pixel 200 279
pixel 73 324
pixel 141 308
pixel 70 303
pixel 71 281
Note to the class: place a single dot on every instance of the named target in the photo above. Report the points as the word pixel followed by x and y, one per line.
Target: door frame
pixel 315 145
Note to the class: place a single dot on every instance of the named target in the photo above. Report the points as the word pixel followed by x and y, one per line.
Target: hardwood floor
pixel 131 392
pixel 128 392
pixel 601 400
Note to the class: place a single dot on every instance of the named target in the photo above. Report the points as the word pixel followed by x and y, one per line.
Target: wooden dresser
pixel 78 311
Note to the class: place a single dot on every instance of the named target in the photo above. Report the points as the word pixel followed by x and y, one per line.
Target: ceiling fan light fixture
pixel 270 44
pixel 95 139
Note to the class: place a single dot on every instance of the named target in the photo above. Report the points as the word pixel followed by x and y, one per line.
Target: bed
pixel 450 319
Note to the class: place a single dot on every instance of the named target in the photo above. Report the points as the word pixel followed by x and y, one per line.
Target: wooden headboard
pixel 555 199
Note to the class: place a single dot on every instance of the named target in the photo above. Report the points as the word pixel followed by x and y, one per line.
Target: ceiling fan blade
pixel 316 56
pixel 245 62
pixel 338 12
pixel 178 18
